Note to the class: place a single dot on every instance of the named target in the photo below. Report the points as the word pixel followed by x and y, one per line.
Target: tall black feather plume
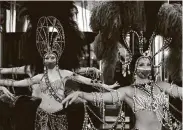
pixel 170 25
pixel 110 19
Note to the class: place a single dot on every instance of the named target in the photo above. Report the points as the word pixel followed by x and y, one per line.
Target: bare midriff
pixel 48 103
pixel 147 120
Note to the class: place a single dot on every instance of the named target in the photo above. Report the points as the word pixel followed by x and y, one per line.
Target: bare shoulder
pixel 66 73
pixel 128 90
pixel 163 85
pixel 37 77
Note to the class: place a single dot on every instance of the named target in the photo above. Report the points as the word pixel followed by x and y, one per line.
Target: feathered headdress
pixel 109 18
pixel 140 43
pixel 169 24
pixel 50 36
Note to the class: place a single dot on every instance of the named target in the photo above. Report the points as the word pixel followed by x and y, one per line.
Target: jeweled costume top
pixel 50 39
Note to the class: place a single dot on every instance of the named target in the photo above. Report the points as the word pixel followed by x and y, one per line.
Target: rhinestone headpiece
pixel 145 54
pixel 50 36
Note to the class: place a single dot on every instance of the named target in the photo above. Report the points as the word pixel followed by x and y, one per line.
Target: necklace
pixel 148 88
pixel 52 91
pixel 172 122
pixel 145 87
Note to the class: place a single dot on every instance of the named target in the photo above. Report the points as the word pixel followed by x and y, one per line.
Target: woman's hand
pixel 116 84
pixel 71 98
pixel 80 100
pixel 7 92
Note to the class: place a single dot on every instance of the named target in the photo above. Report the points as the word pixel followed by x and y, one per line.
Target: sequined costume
pixel 45 120
pixel 157 103
pixel 50 121
pixel 52 93
pixel 143 102
pixel 149 101
pixel 169 18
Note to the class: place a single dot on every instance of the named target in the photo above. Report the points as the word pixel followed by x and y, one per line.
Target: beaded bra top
pixel 143 102
pixel 56 85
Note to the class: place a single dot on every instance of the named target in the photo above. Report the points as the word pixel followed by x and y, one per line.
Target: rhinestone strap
pixel 52 92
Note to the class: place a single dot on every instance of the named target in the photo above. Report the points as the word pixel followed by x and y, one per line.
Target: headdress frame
pixel 50 37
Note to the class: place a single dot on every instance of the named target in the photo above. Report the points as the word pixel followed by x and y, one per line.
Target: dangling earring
pixel 124 70
pixel 57 67
pixel 44 68
pixel 134 76
pixel 128 69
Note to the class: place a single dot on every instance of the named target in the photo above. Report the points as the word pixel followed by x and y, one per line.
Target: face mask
pixel 50 61
pixel 143 73
pixel 50 64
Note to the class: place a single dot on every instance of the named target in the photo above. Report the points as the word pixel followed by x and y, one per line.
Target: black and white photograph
pixel 91 65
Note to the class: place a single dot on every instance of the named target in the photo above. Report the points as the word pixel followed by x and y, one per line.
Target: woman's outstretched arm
pixel 89 71
pixel 114 96
pixel 88 81
pixel 171 89
pixel 16 70
pixel 21 83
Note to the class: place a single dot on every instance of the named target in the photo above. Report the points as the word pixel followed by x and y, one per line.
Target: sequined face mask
pixel 143 73
pixel 143 67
